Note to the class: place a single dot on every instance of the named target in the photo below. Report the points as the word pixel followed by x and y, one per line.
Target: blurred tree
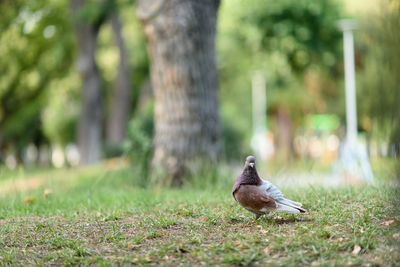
pixel 122 91
pixel 38 84
pixel 181 44
pixel 89 16
pixel 35 48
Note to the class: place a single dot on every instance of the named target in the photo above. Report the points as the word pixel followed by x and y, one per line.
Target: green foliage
pixel 379 80
pixel 294 43
pixel 39 85
pixel 36 47
pixel 234 147
pixel 97 11
pixel 304 31
pixel 58 125
pixel 139 143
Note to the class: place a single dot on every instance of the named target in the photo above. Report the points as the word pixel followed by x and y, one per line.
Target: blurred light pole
pixel 347 26
pixel 352 153
pixel 259 103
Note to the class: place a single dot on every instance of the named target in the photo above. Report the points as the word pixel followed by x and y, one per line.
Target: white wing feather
pixel 284 205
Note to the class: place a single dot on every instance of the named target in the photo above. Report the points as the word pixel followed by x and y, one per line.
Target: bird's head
pixel 251 162
pixel 249 174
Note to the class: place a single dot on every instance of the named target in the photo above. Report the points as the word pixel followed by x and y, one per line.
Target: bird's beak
pixel 251 164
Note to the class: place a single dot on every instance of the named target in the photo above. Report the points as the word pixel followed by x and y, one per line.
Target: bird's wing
pixel 287 204
pixel 252 198
pixel 272 190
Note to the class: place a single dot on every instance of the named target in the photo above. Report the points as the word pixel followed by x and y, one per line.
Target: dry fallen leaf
pixel 396 235
pixel 237 244
pixel 267 250
pixel 387 223
pixel 166 257
pixel 29 200
pixel 356 250
pixel 134 260
pixel 341 239
pixel 132 246
pixel 263 231
pixel 149 259
pixel 46 193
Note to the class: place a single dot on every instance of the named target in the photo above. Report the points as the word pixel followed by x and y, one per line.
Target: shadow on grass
pixel 274 220
pixel 280 220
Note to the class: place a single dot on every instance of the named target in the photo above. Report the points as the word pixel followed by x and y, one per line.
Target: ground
pixel 99 215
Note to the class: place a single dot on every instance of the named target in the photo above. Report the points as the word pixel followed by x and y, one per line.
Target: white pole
pixel 260 142
pixel 259 103
pixel 350 84
pixel 352 155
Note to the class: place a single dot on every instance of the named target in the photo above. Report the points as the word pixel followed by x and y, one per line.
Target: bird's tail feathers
pixel 284 208
pixel 294 203
pixel 288 206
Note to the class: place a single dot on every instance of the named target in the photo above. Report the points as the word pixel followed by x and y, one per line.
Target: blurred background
pixel 281 83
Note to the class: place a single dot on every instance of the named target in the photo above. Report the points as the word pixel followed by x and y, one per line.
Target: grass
pixel 99 216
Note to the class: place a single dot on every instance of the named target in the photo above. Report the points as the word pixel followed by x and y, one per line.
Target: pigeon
pixel 259 196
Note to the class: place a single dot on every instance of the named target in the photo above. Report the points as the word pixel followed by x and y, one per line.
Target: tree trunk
pixel 122 92
pixel 181 44
pixel 284 134
pixel 2 150
pixel 91 118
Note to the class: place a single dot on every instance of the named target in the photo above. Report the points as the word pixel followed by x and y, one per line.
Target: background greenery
pixel 296 44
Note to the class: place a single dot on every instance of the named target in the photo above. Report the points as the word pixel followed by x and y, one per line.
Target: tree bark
pixel 181 44
pixel 284 134
pixel 122 91
pixel 91 118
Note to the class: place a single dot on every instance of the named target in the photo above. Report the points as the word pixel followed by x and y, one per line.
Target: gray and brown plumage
pixel 260 196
